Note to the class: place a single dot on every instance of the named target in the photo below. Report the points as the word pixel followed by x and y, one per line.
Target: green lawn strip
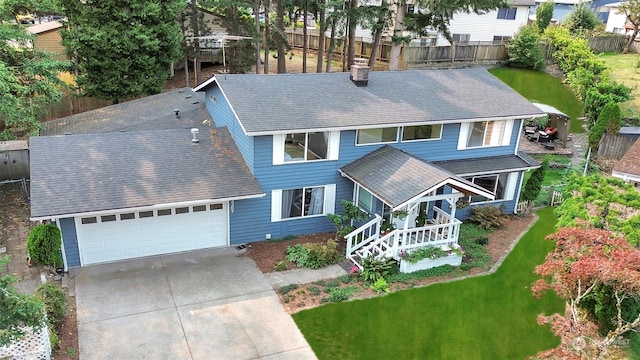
pixel 544 88
pixel 623 69
pixel 488 317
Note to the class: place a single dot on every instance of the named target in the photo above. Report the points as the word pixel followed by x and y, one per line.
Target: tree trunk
pixel 305 39
pixel 282 51
pixel 378 34
pixel 323 29
pixel 332 45
pixel 396 46
pixel 633 37
pixel 267 36
pixel 256 14
pixel 195 26
pixel 353 4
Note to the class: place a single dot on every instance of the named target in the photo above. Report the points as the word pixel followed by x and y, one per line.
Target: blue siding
pixel 70 241
pixel 222 115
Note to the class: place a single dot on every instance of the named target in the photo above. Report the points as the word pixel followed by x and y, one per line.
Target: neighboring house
pixel 616 19
pixel 47 38
pixel 420 143
pixel 628 168
pixel 561 9
pixel 494 26
pixel 602 8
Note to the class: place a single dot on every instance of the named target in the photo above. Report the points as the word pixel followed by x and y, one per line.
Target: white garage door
pixel 144 233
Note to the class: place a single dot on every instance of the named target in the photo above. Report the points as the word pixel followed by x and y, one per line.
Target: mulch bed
pixel 267 254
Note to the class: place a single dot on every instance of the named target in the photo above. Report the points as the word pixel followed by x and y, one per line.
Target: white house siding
pixel 485 27
pixel 616 20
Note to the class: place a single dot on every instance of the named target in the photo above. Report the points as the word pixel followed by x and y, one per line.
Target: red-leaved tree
pixel 584 259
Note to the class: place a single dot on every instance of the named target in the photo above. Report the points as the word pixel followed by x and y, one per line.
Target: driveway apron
pixel 209 304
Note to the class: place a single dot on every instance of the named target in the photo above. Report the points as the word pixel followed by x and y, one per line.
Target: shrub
pixel 320 255
pixel 380 286
pixel 374 269
pixel 44 245
pixel 288 288
pixel 55 302
pixel 314 290
pixel 609 121
pixel 524 50
pixel 486 217
pixel 534 184
pixel 475 254
pixel 482 240
pixel 341 294
pixel 598 96
pixel 582 19
pixel 343 222
pixel 298 254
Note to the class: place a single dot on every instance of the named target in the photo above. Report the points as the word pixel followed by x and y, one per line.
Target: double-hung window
pixel 302 202
pixel 305 146
pixel 485 134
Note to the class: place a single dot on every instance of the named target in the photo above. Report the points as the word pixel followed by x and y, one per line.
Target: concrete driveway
pixel 208 304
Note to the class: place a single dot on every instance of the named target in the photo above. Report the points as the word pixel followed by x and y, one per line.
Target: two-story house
pixel 280 153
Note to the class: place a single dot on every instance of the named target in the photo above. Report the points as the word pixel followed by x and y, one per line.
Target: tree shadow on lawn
pixel 486 317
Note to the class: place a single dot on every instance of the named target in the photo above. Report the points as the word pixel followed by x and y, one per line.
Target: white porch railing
pixel 366 241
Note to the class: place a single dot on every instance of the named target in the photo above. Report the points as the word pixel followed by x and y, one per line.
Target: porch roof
pixel 397 178
pixel 491 164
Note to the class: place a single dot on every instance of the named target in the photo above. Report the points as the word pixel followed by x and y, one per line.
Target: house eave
pixel 145 208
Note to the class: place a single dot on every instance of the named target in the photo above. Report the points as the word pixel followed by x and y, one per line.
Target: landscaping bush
pixel 601 94
pixel 582 19
pixel 534 184
pixel 524 50
pixel 486 217
pixel 609 121
pixel 381 286
pixel 475 254
pixel 44 245
pixel 288 288
pixel 55 302
pixel 544 14
pixel 314 255
pixel 375 269
pixel 341 294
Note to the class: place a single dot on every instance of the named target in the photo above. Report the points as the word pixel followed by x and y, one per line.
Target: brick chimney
pixel 359 72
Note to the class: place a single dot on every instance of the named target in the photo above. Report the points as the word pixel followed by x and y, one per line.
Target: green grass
pixel 488 317
pixel 633 351
pixel 623 69
pixel 543 88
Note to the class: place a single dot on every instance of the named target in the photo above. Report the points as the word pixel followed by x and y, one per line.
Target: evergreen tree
pixel 544 14
pixel 122 49
pixel 609 121
pixel 534 184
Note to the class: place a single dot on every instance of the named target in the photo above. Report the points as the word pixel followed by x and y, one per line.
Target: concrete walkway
pixel 208 304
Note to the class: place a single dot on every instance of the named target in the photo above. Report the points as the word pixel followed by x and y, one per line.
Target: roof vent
pixel 194 133
pixel 359 72
pixel 177 111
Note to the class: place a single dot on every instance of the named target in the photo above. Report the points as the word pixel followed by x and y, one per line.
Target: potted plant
pixel 400 214
pixel 429 257
pixel 386 227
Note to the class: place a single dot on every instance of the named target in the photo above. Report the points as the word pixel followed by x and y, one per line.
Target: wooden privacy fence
pixel 411 56
pixel 598 43
pixel 70 105
pixel 613 146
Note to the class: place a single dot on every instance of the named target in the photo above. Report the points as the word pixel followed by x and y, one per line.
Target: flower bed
pixel 428 263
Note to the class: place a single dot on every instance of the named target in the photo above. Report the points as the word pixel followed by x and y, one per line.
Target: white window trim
pixel 466 127
pixel 509 190
pixel 379 143
pixel 357 200
pixel 333 149
pixel 418 140
pixel 329 205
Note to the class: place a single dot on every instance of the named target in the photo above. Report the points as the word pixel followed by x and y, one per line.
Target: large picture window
pixel 302 202
pixel 377 136
pixel 485 134
pixel 422 132
pixel 496 184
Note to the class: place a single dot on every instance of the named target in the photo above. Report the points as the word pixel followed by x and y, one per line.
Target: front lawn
pixel 488 317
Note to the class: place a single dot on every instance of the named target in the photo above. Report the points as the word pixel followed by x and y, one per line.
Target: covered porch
pixel 418 202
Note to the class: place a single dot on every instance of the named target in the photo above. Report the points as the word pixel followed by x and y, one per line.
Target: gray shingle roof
pixel 288 102
pixel 155 112
pixel 629 164
pixel 395 176
pixel 494 164
pixel 73 174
